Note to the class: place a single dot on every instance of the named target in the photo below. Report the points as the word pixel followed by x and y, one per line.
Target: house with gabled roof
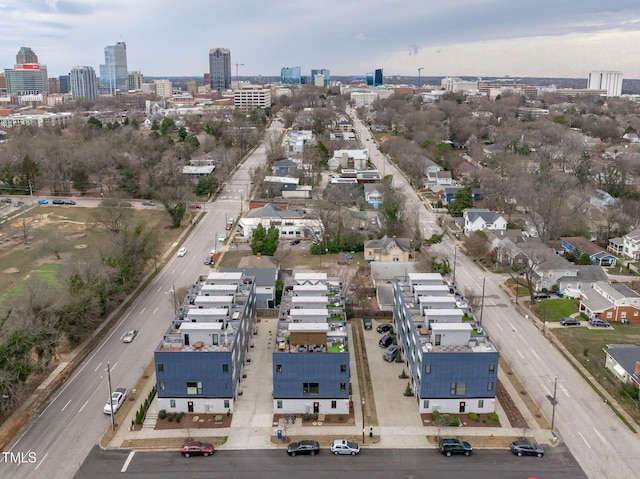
pixel 631 244
pixel 598 255
pixel 480 219
pixel 623 360
pixel 373 194
pixel 389 249
pixel 611 302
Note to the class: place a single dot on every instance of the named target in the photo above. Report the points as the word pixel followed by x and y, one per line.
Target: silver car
pixel 342 446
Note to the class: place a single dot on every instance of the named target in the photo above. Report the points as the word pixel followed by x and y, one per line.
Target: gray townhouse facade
pixel 200 359
pixel 311 371
pixel 452 365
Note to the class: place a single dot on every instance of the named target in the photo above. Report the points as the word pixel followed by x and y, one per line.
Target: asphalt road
pixel 370 463
pixel 63 434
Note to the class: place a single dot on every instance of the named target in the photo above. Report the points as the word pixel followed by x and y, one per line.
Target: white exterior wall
pixel 302 406
pixel 200 405
pixel 452 406
pixel 610 81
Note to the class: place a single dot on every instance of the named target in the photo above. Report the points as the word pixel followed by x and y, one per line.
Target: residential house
pixel 389 250
pixel 291 223
pixel 199 167
pixel 447 194
pixel 631 245
pixel 373 194
pixel 481 219
pixel 598 255
pixel 200 359
pixel 356 159
pixel 311 367
pixel 586 276
pixel 601 199
pixel 452 365
pixel 612 302
pixel 284 167
pixel 265 282
pixel 623 360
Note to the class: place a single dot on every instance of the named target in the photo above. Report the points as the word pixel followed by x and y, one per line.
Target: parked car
pixel 386 340
pixel 342 446
pixel 295 242
pixel 384 327
pixel 208 260
pixel 391 353
pixel 524 447
pixel 195 206
pixel 368 324
pixel 455 446
pixel 541 295
pixel 222 238
pixel 569 322
pixel 148 203
pixel 58 202
pixel 599 323
pixel 182 251
pixel 43 202
pixel 229 225
pixel 5 200
pixel 129 336
pixel 117 399
pixel 196 448
pixel 303 447
pixel 69 202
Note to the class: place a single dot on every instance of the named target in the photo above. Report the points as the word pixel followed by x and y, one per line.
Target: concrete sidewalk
pixel 252 425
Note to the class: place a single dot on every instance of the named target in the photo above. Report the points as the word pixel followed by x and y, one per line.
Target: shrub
pixel 493 418
pixel 399 359
pixel 436 415
pixel 178 418
pixel 453 421
pixel 473 416
pixel 305 416
pixel 170 417
pixel 315 416
pixel 340 417
pixel 162 414
pixel 407 391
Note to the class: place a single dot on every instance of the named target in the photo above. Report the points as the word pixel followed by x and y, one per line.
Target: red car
pixel 196 448
pixel 195 206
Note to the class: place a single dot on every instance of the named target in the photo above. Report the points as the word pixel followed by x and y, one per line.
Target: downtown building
pixel 219 69
pixel 320 77
pixel 200 359
pixel 114 76
pixel 290 75
pixel 311 371
pixel 452 365
pixel 605 80
pixel 250 97
pixel 84 83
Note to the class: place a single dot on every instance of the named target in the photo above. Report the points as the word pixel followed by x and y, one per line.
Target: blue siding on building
pixel 182 367
pixel 299 368
pixel 449 367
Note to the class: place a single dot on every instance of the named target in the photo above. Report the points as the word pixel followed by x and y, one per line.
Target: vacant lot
pixel 57 237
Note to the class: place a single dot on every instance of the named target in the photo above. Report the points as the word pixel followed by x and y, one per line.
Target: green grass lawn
pixel 555 309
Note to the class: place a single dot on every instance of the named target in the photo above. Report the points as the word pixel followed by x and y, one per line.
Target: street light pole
pixel 482 300
pixel 455 256
pixel 113 424
pixel 553 403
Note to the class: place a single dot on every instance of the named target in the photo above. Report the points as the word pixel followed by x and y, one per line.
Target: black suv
pixel 387 340
pixel 541 295
pixel 455 446
pixel 384 328
pixel 367 323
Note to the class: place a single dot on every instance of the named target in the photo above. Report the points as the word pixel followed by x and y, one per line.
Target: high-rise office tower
pixel 377 77
pixel 290 75
pixel 323 72
pixel 26 55
pixel 220 69
pixel 610 81
pixel 65 84
pixel 54 85
pixel 114 74
pixel 83 83
pixel 27 79
pixel 136 79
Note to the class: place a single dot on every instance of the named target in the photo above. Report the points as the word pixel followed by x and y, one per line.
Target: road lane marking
pixel 85 403
pixel 112 368
pixel 534 353
pixel 65 406
pixel 98 367
pixel 585 441
pixel 499 327
pixel 599 435
pixel 40 463
pixel 565 390
pixel 521 355
pixel 142 311
pixel 547 391
pixel 159 290
pixel 154 312
pixel 126 463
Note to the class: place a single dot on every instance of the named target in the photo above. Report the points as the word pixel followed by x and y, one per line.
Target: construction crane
pixel 419 70
pixel 238 76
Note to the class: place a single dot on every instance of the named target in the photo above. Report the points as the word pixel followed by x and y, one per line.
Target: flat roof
pixel 308 327
pixel 424 276
pixel 228 275
pixel 309 312
pixel 202 326
pixel 309 299
pixel 310 276
pixel 444 312
pixel 451 327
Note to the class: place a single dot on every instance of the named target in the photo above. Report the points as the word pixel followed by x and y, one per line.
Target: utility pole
pixel 113 423
pixel 455 257
pixel 482 300
pixel 419 70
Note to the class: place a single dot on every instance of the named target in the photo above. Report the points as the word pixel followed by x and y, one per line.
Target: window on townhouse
pixel 161 385
pixel 279 404
pixel 278 368
pixel 458 388
pixel 623 315
pixel 490 386
pixel 425 404
pixel 226 404
pixel 480 403
pixel 492 368
pixel 194 387
pixel 225 368
pixel 334 404
pixel 343 368
pixel 160 367
pixel 172 403
pixel 427 368
pixel 343 386
pixel 310 389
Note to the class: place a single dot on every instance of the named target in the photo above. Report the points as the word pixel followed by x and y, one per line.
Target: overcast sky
pixel 547 38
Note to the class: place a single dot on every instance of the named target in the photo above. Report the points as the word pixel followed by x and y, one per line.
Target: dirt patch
pixel 80 246
pixel 195 421
pixel 319 420
pixel 11 271
pixel 76 236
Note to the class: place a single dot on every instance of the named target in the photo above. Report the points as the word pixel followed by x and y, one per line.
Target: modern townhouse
pixel 452 365
pixel 311 370
pixel 200 358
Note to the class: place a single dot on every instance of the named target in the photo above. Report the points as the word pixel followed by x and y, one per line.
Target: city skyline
pixel 457 37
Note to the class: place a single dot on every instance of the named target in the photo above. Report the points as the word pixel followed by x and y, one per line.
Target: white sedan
pixel 222 238
pixel 182 251
pixel 129 336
